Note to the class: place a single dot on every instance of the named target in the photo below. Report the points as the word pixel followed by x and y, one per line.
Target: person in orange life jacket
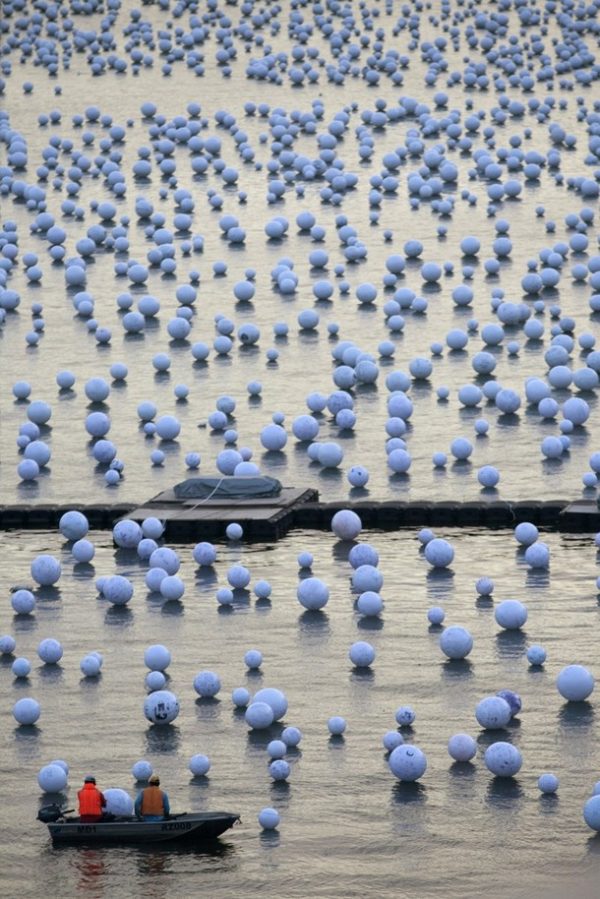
pixel 152 804
pixel 91 801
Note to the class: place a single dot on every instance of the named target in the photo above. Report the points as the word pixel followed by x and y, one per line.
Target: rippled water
pixel 348 827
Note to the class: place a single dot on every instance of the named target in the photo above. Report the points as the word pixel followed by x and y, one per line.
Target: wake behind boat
pixel 188 827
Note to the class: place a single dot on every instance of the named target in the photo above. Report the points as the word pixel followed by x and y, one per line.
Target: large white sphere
pixel 207 683
pixel 274 698
pixel 52 778
pixel 90 666
pixel 199 765
pixel 462 747
pixel 336 725
pixel 118 802
pixel 407 762
pixel 312 593
pixel 45 570
pixel 172 587
pixel 361 654
pixel 456 642
pixel 161 707
pixel 50 651
pixel 367 577
pixel 204 554
pixel 346 524
pixel 279 769
pixel 575 683
pixel 73 525
pixel 166 558
pixel 439 553
pixel 26 711
pixel 118 590
pixel 538 555
pixel 23 602
pixel 493 712
pixel 591 813
pixel 168 427
pixel 152 528
pixel 142 770
pixel 268 818
pixel 363 554
pixel 238 577
pixel 503 759
pixel 259 715
pixel 526 533
pixel 511 614
pixel 157 657
pixel 127 534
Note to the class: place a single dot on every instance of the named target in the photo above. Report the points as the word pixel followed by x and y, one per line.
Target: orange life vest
pixel 90 800
pixel 152 801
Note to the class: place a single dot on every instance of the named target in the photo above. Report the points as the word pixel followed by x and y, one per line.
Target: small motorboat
pixel 188 827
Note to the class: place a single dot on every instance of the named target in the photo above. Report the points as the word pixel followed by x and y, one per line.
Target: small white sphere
pixel 336 725
pixel 548 783
pixel 167 558
pixel 127 534
pixel 536 655
pixel 21 667
pixel 152 528
pixel 253 659
pixel 90 666
pixel 538 555
pixel 493 712
pixel 259 715
pixel 73 525
pixel 161 707
pixel 262 589
pixel 279 769
pixel 404 716
pixel 591 813
pixel 118 802
pixel 291 736
pixel 462 747
pixel 369 603
pixel 391 740
pixel 238 577
pixel 346 524
pixel 154 578
pixel 240 697
pixel 526 533
pixel 277 749
pixel 361 654
pixel 575 683
pixel 312 593
pixel 142 770
pixel 439 553
pixel 45 570
pixel 268 818
pixel 26 711
pixel 224 596
pixel 511 614
pixel 435 615
pixel 234 531
pixel 157 657
pixel 207 683
pixel 118 590
pixel 204 554
pixel 484 586
pixel 52 778
pixel 50 651
pixel 172 587
pixel 7 644
pixel 155 680
pixel 23 602
pixel 83 551
pixel 456 642
pixel 407 762
pixel 199 765
pixel 503 759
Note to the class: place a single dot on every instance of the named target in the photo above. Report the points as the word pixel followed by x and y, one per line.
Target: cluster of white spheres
pixel 456 642
pixel 575 683
pixel 199 765
pixel 407 762
pixel 52 778
pixel 161 707
pixel 462 747
pixel 503 759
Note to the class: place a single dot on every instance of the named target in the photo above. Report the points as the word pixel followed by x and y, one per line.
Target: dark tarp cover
pixel 232 487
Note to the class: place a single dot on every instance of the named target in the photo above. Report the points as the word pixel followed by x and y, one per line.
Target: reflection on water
pixel 162 738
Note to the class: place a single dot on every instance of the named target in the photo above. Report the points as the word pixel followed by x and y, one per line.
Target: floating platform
pixel 581 516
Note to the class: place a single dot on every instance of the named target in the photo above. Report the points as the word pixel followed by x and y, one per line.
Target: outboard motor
pixel 48 814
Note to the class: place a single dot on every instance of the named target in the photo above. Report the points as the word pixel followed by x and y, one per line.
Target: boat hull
pixel 192 828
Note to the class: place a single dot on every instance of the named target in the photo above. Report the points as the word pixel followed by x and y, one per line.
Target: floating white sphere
pixel 575 683
pixel 172 587
pixel 407 762
pixel 503 759
pixel 161 707
pixel 234 531
pixel 155 680
pixel 259 715
pixel 591 813
pixel 369 603
pixel 83 551
pixel 73 525
pixel 484 586
pixel 493 712
pixel 21 667
pixel 456 642
pixel 312 593
pixel 253 659
pixel 268 818
pixel 199 765
pixel 511 614
pixel 142 770
pixel 50 651
pixel 279 769
pixel 238 576
pixel 346 524
pixel 391 740
pixel 207 683
pixel 204 554
pixel 538 555
pixel 26 711
pixel 262 589
pixel 45 570
pixel 118 802
pixel 118 590
pixel 52 778
pixel 274 698
pixel 7 644
pixel 526 533
pixel 439 553
pixel 90 666
pixel 367 577
pixel 157 657
pixel 361 654
pixel 240 697
pixel 548 783
pixel 154 578
pixel 336 725
pixel 291 736
pixel 23 602
pixel 127 534
pixel 436 615
pixel 462 747
pixel 152 528
pixel 166 558
pixel 277 749
pixel 536 655
pixel 404 716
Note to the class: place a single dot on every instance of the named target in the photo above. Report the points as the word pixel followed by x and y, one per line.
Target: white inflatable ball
pixel 238 577
pixel 73 525
pixel 168 427
pixel 330 455
pixel 50 651
pixel 425 536
pixel 118 802
pixel 404 716
pixel 262 589
pixel 118 590
pixel 538 555
pixel 145 548
pixel 234 531
pixel 484 586
pixel 207 683
pixel 488 476
pixel 157 657
pixel 575 683
pixel 152 528
pixel 273 437
pixel 456 642
pixel 62 764
pixel 52 778
pixel 199 765
pixel 155 680
pixel 462 747
pixel 165 558
pixel 312 593
pixel 358 476
pixel 391 740
pixel 259 715
pixel 361 654
pixel 204 554
pixel 21 667
pixel 224 596
pixel 439 553
pixel 45 570
pixel 240 697
pixel 346 524
pixel 548 783
pixel 336 725
pixel 154 578
pixel 26 711
pixel 367 577
pixel 436 615
pixel 291 736
pixel 23 602
pixel 90 666
pixel 142 770
pixel 268 818
pixel 305 559
pixel 28 469
pixel 277 749
pixel 253 659
pixel 407 762
pixel 274 698
pixel 526 533
pixel 511 614
pixel 591 813
pixel 536 655
pixel 172 587
pixel 596 788
pixel 7 644
pixel 369 603
pixel 279 769
pixel 127 534
pixel 83 551
pixel 493 712
pixel 161 707
pixel 503 759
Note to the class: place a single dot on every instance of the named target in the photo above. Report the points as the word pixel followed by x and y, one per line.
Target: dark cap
pixel 89 779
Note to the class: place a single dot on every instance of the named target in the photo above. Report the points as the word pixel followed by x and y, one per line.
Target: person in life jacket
pixel 152 803
pixel 91 801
